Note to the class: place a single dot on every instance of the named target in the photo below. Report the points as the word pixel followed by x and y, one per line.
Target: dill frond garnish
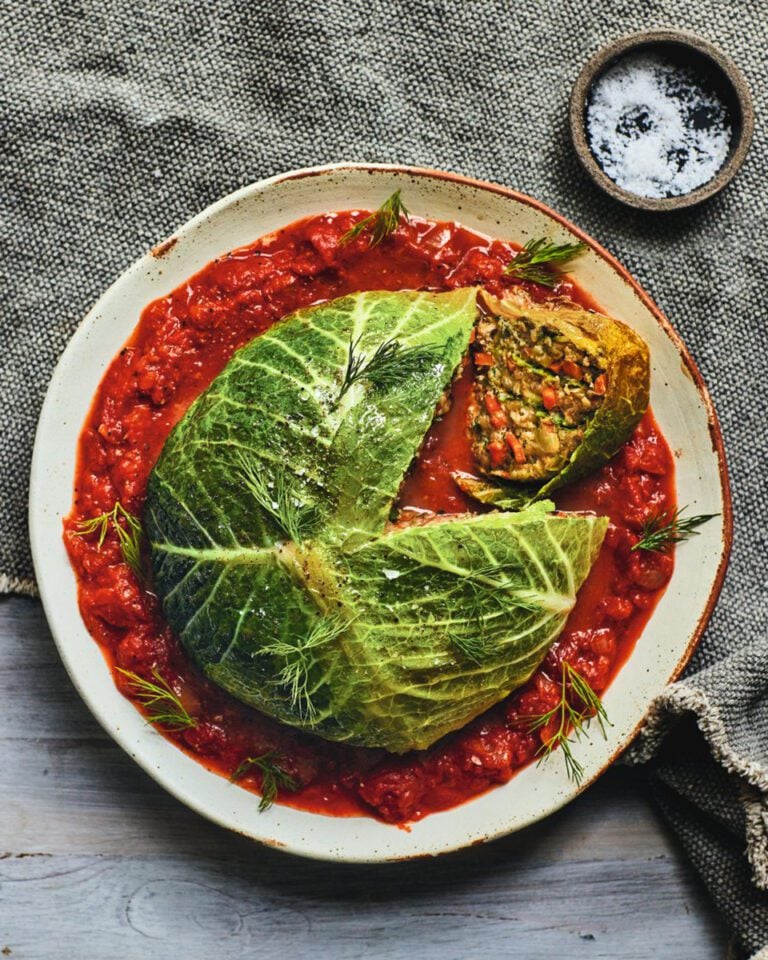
pixel 472 646
pixel 300 661
pixel 130 537
pixel 514 592
pixel 355 365
pixel 162 704
pixel 94 524
pixel 535 260
pixel 578 704
pixel 381 223
pixel 273 777
pixel 390 365
pixel 662 531
pixel 488 584
pixel 276 497
pixel 127 529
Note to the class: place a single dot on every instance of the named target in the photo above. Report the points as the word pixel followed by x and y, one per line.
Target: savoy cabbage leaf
pixel 272 554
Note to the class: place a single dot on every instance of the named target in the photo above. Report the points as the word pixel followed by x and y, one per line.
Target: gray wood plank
pixel 98 861
pixel 99 907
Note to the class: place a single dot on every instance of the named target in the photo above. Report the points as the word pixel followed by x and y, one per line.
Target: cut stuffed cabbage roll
pixel 558 389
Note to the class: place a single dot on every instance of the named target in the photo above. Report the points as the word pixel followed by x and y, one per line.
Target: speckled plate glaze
pixel 681 404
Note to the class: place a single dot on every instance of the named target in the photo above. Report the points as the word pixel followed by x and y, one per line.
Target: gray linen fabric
pixel 122 119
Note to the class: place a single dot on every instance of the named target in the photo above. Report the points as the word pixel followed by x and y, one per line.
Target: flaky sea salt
pixel 655 127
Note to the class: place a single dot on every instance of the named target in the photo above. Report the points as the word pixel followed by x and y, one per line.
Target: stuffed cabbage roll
pixel 558 389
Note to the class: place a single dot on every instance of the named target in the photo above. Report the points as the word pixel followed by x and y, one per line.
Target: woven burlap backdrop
pixel 122 119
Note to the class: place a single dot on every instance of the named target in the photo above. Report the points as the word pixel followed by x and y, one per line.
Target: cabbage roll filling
pixel 535 393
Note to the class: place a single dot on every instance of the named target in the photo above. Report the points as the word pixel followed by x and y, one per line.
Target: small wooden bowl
pixel 685 47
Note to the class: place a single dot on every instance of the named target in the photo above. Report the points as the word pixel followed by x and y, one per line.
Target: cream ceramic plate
pixel 681 405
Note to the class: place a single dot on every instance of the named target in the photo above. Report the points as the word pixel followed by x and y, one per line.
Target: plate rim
pixel 660 318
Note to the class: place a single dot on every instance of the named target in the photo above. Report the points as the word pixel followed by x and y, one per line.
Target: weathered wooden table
pixel 99 863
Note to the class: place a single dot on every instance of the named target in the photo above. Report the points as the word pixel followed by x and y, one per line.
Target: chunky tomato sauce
pixel 181 343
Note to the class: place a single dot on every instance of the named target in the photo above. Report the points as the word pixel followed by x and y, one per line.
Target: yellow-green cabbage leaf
pixel 275 560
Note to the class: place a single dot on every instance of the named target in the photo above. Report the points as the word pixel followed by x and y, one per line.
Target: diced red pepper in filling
pixel 600 385
pixel 548 398
pixel 497 453
pixel 516 447
pixel 495 411
pixel 571 369
pixel 483 360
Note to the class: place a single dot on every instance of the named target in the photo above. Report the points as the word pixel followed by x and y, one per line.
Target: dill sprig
pixel 300 661
pixel 273 777
pixel 488 584
pixel 390 365
pixel 162 704
pixel 661 531
pixel 473 646
pixel 577 705
pixel 127 529
pixel 515 592
pixel 381 223
pixel 535 260
pixel 276 496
